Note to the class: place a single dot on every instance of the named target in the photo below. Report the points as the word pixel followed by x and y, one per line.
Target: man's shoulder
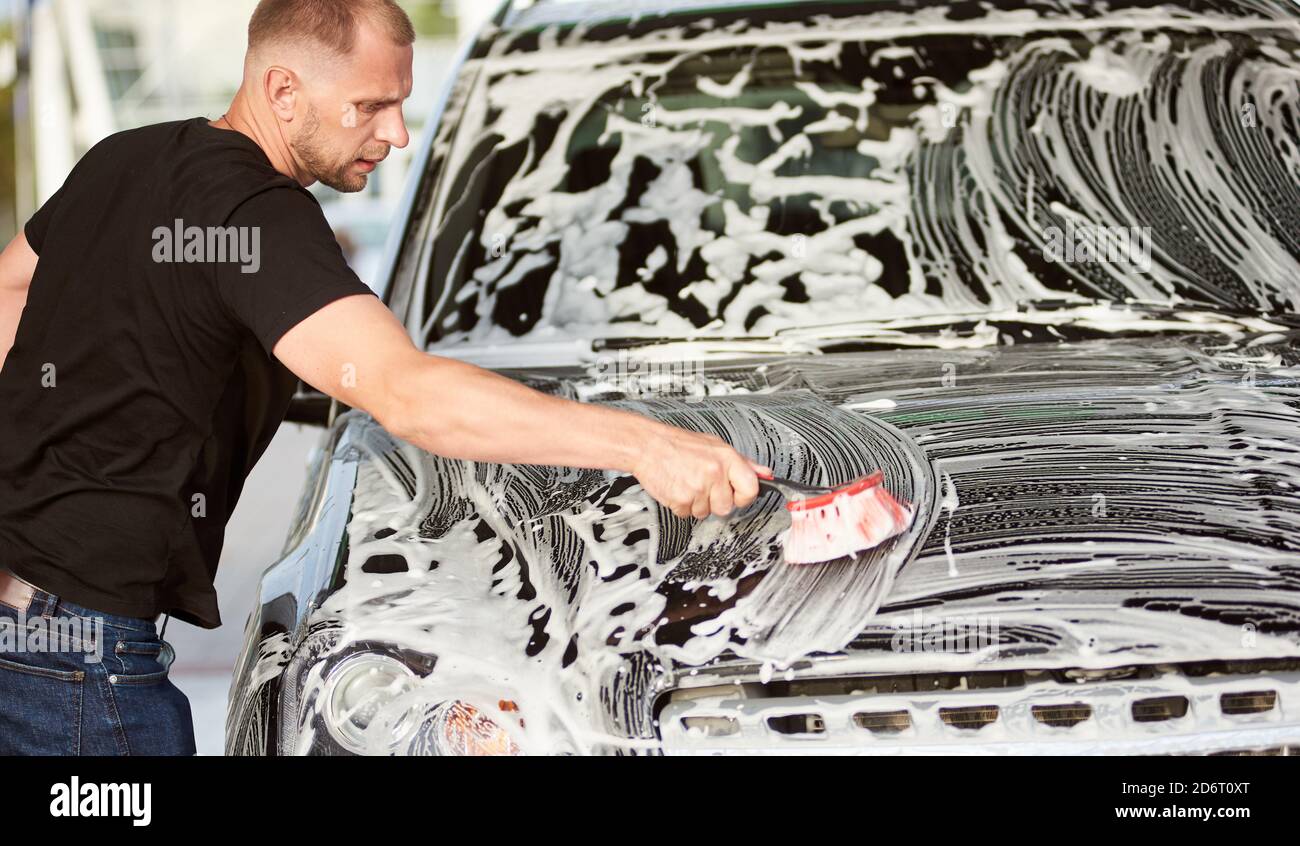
pixel 285 207
pixel 150 136
pixel 209 172
pixel 200 173
pixel 154 130
pixel 187 147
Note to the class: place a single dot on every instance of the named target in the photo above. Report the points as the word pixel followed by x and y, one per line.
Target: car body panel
pixel 1080 506
pixel 1106 516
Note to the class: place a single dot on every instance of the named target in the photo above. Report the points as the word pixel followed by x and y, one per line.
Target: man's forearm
pixel 11 309
pixel 356 351
pixel 17 264
pixel 458 410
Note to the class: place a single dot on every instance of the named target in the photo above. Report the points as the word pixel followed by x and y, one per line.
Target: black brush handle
pixel 786 487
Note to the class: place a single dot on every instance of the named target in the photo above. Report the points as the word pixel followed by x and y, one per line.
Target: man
pixel 185 275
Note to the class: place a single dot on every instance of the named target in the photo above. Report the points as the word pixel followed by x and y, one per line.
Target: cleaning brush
pixel 831 523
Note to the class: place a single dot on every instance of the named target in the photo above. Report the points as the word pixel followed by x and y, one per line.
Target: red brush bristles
pixel 855 517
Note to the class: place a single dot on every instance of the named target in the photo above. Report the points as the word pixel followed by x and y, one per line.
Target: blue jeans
pixel 74 681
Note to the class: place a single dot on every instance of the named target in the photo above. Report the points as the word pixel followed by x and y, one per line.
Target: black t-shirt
pixel 141 388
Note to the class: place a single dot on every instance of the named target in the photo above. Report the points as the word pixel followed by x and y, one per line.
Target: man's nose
pixel 392 130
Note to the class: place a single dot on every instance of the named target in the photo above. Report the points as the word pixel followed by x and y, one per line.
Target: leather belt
pixel 14 592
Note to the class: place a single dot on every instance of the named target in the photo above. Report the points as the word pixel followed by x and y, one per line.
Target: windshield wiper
pixel 912 330
pixel 759 343
pixel 1162 308
pixel 887 327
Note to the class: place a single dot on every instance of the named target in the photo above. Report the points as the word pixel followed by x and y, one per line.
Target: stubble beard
pixel 312 152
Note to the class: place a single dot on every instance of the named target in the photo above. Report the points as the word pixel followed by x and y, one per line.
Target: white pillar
pixel 471 14
pixel 54 147
pixel 94 119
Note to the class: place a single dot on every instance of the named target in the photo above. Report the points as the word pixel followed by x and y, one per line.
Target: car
pixel 1038 263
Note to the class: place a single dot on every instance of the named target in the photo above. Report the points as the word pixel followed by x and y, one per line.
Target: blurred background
pixel 75 71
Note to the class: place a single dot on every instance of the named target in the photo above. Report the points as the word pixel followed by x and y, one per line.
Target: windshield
pixel 746 179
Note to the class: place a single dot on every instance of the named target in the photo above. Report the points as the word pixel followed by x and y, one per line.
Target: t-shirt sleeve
pixel 297 266
pixel 40 222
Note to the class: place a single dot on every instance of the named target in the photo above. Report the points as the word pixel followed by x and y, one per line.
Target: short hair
pixel 330 23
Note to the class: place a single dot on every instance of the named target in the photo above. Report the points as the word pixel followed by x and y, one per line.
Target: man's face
pixel 353 112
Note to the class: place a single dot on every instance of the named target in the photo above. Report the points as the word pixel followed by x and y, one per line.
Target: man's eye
pixel 371 108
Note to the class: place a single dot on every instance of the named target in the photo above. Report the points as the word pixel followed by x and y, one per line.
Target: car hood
pixel 1077 505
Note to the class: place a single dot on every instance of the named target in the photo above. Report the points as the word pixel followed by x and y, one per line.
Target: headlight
pixel 459 728
pixel 384 700
pixel 356 690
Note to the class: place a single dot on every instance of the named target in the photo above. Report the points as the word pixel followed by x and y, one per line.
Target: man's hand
pixel 17 265
pixel 694 475
pixel 357 351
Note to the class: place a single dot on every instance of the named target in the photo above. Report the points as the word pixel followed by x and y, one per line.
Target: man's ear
pixel 281 88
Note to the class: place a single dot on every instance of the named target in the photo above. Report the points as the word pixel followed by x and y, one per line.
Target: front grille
pixel 1236 709
pixel 1271 751
pixel 797 725
pixel 711 726
pixel 1253 702
pixel 1063 716
pixel 1159 708
pixel 970 717
pixel 888 722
